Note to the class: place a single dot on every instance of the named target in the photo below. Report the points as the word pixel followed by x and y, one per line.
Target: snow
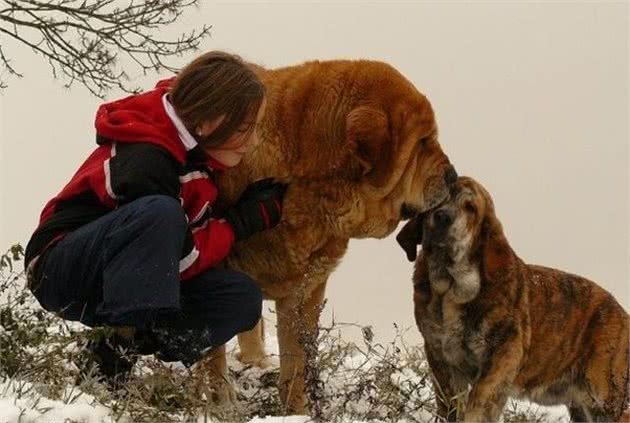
pixel 17 405
pixel 22 401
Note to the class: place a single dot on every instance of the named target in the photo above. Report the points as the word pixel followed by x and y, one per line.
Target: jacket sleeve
pixel 208 244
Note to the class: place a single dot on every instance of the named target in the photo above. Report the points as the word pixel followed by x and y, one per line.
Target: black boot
pixel 185 345
pixel 110 358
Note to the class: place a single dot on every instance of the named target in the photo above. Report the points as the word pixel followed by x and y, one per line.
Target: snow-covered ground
pixel 27 402
pixel 370 381
pixel 29 406
pixel 32 408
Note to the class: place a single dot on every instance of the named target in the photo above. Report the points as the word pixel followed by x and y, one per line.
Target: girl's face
pixel 231 152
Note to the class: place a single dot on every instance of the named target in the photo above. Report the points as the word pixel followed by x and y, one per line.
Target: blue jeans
pixel 122 269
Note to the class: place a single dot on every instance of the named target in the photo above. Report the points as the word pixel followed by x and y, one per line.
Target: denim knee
pixel 162 210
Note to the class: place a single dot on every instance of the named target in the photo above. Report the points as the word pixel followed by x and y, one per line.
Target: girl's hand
pixel 262 189
pixel 258 209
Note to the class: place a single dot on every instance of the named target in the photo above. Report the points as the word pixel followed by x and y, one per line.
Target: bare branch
pixel 83 40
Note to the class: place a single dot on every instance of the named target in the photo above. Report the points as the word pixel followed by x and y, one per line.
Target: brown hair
pixel 215 84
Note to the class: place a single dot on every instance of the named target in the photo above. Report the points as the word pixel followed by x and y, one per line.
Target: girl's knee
pixel 162 209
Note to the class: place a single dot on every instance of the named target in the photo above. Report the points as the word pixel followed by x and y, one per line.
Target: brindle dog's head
pixel 456 224
pixel 463 226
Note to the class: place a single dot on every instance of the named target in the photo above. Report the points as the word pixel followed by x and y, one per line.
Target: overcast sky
pixel 531 100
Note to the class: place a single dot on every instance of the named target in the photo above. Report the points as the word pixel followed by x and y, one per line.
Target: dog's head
pixel 457 224
pixel 463 226
pixel 393 134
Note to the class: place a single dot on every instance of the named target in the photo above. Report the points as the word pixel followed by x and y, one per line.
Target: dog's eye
pixel 470 207
pixel 424 142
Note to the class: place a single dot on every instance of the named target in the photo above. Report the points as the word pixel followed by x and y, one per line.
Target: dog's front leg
pixel 298 316
pixel 490 392
pixel 252 346
pixel 446 394
pixel 215 381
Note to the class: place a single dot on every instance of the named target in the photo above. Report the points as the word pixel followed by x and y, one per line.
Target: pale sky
pixel 531 100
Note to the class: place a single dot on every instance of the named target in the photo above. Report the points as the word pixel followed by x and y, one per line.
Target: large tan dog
pixel 357 144
pixel 508 328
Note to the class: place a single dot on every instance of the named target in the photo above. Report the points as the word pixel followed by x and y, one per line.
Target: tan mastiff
pixel 357 144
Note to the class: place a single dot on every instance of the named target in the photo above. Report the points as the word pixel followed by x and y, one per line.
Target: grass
pixel 345 382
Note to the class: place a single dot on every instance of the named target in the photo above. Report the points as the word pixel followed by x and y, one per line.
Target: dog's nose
pixel 450 176
pixel 442 218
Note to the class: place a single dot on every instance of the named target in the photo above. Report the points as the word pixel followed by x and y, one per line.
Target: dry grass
pixel 346 382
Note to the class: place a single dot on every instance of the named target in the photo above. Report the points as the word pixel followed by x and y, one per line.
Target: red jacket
pixel 141 152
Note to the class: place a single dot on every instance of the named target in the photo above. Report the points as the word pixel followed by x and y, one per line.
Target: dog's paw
pixel 261 361
pixel 222 393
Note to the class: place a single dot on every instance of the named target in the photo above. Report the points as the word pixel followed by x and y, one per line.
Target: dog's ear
pixel 367 132
pixel 497 257
pixel 410 236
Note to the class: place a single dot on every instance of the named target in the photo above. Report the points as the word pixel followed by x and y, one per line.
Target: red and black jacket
pixel 141 152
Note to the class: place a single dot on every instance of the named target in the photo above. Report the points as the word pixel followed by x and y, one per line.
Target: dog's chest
pixel 446 331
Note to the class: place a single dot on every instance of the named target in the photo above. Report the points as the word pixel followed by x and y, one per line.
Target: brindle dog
pixel 495 327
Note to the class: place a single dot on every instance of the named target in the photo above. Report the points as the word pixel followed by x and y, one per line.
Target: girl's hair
pixel 215 84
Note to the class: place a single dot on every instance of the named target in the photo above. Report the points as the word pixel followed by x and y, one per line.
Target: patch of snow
pixel 18 402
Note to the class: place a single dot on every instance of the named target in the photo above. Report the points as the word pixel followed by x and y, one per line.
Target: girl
pixel 132 241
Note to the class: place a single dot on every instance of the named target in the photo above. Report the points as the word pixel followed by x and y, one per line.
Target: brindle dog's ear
pixel 410 237
pixel 497 256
